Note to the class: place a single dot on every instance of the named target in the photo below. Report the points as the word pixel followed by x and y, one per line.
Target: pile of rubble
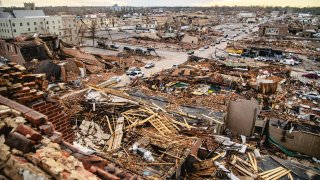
pixel 164 143
pixel 204 119
pixel 288 46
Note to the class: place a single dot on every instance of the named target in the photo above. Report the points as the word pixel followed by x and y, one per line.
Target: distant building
pixel 274 13
pixel 30 22
pixel 274 30
pixel 251 20
pixel 99 22
pixel 29 6
pixel 190 39
pixel 116 8
pixel 69 29
pixel 246 15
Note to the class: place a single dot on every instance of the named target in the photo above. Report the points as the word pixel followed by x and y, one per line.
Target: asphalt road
pixel 170 58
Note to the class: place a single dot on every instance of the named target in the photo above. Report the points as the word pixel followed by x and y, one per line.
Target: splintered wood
pixel 115 141
pixel 208 163
pixel 163 124
pixel 275 173
pixel 250 168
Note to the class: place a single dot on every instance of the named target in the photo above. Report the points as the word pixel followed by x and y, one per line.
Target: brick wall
pixel 57 116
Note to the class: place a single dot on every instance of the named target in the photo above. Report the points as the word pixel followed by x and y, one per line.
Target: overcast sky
pixel 299 3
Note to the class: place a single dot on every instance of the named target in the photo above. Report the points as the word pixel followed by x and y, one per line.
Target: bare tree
pixel 93 30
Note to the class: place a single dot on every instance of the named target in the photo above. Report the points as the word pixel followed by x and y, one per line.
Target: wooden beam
pixel 269 171
pixel 110 128
pixel 171 155
pixel 279 174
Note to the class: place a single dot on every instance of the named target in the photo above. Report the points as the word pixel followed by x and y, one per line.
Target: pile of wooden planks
pixel 163 124
pixel 276 173
pixel 250 168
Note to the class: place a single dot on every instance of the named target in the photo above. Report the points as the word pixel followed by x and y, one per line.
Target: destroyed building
pixel 274 30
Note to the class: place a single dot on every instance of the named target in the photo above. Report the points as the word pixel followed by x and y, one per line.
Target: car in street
pixel 201 49
pixel 259 58
pixel 310 75
pixel 222 58
pixel 113 46
pixel 175 66
pixel 312 96
pixel 206 47
pixel 127 48
pixel 151 49
pixel 149 65
pixel 223 40
pixel 287 62
pixel 136 74
pixel 132 69
pixel 190 52
pixel 234 54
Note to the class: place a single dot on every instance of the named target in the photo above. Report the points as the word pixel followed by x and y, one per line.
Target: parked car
pixel 206 47
pixel 113 46
pixel 127 48
pixel 149 65
pixel 259 58
pixel 234 54
pixel 310 75
pixel 132 69
pixel 222 58
pixel 190 52
pixel 136 74
pixel 287 62
pixel 175 65
pixel 201 49
pixel 312 96
pixel 151 49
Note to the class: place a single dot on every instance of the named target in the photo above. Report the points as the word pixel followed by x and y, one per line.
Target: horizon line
pixel 176 6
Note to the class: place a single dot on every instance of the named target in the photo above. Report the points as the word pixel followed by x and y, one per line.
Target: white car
pixel 259 58
pixel 149 65
pixel 201 49
pixel 234 54
pixel 287 62
pixel 136 74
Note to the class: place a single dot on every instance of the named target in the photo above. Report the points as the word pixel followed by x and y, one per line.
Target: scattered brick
pixel 20 142
pixel 36 118
pixel 26 130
